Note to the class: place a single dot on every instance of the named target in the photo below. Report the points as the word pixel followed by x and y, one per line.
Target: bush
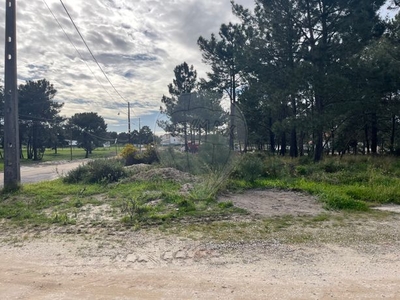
pixel 130 154
pixel 250 168
pixel 96 171
pixel 214 154
pixel 149 156
pixel 276 167
pixel 331 166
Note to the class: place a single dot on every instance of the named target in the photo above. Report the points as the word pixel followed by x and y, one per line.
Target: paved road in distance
pixel 46 171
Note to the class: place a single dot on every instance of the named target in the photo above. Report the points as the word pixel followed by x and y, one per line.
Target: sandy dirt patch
pixel 269 203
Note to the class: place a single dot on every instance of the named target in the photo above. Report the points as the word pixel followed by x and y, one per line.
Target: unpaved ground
pixel 356 259
pixel 269 203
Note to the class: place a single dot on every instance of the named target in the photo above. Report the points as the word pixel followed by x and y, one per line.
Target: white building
pixel 169 140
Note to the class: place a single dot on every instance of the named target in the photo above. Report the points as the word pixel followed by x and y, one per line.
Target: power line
pixel 91 53
pixel 79 53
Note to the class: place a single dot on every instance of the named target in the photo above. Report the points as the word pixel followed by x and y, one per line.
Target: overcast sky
pixel 136 42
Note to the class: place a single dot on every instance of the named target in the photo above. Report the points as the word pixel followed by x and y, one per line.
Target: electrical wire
pixel 79 53
pixel 91 53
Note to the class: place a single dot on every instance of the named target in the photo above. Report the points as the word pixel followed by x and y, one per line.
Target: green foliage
pixel 62 219
pixel 134 207
pixel 214 154
pixel 149 156
pixel 186 205
pixel 96 171
pixel 87 128
pixel 275 167
pixel 132 155
pixel 250 168
pixel 38 113
pixel 225 205
pixel 209 185
pixel 348 183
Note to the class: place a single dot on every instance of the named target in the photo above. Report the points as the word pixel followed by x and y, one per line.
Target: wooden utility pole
pixel 129 123
pixel 12 172
pixel 140 140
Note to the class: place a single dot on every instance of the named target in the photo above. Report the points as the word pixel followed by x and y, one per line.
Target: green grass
pixel 136 202
pixel 29 203
pixel 65 154
pixel 350 183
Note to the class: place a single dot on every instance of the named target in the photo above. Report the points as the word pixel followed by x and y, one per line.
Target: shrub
pixel 225 205
pixel 186 205
pixel 149 156
pixel 96 171
pixel 130 154
pixel 330 166
pixel 250 168
pixel 275 167
pixel 133 207
pixel 214 154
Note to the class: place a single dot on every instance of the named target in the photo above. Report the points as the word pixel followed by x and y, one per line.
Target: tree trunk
pixel 367 139
pixel 374 134
pixel 271 136
pixel 301 144
pixel 283 145
pixel 392 134
pixel 293 143
pixel 319 134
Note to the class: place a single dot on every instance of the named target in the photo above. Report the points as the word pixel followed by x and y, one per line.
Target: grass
pixel 145 202
pixel 65 154
pixel 348 183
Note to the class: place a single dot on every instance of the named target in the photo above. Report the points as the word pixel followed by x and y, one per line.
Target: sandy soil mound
pixel 163 174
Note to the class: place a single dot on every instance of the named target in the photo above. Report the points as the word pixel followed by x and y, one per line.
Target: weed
pixel 96 171
pixel 134 208
pixel 63 219
pixel 250 168
pixel 225 205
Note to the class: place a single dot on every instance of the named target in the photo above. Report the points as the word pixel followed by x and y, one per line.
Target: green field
pixel 67 154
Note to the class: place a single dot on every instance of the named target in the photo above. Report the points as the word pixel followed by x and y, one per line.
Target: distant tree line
pixel 310 76
pixel 41 126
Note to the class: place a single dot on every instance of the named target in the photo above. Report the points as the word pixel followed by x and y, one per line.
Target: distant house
pixel 169 140
pixel 71 143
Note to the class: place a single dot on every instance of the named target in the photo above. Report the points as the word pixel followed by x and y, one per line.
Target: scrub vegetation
pixel 103 193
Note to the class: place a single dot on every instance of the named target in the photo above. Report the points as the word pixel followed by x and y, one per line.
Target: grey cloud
pixel 138 43
pixel 112 58
pixel 79 76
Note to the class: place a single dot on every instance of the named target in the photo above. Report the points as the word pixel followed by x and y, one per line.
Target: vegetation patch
pixel 97 171
pixel 345 183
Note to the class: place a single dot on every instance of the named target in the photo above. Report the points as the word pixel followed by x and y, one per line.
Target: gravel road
pixel 348 256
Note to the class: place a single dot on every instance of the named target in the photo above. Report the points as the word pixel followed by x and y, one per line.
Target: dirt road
pixel 344 257
pixel 154 267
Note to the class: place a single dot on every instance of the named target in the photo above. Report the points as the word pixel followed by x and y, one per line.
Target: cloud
pixel 137 44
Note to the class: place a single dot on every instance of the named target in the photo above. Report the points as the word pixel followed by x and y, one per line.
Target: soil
pixel 358 260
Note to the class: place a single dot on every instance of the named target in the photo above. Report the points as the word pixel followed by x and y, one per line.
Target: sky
pixel 137 44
